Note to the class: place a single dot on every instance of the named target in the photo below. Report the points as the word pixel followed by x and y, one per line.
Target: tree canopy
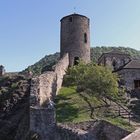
pixel 94 83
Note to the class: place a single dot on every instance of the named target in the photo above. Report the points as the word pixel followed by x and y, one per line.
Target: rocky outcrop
pixel 68 133
pixel 91 130
pixel 14 108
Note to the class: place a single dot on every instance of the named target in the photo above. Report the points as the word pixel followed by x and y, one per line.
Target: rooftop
pixel 115 51
pixel 74 15
pixel 133 64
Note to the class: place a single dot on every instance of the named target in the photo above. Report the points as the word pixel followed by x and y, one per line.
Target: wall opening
pixel 137 83
pixel 70 19
pixel 114 64
pixel 85 37
pixel 76 60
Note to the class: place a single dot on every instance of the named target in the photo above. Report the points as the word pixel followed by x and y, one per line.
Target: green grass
pixel 70 107
pixel 121 123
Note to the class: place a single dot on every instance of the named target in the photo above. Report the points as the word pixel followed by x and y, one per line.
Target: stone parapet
pixel 133 136
pixel 42 92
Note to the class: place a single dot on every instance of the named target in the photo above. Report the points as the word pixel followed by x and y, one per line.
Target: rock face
pixel 75 38
pixel 99 130
pixel 14 108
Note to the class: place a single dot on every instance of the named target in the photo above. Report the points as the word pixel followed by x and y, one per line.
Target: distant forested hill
pixel 44 64
pixel 96 52
pixel 49 60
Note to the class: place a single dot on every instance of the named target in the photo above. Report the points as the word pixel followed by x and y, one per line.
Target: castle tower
pixel 75 38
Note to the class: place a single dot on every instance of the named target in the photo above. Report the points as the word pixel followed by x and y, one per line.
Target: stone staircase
pixel 127 114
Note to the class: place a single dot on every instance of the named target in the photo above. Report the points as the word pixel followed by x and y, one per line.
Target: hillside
pixel 97 51
pixel 71 108
pixel 14 107
pixel 49 60
pixel 44 64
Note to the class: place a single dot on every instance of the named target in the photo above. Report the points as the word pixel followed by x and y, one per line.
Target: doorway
pixel 76 60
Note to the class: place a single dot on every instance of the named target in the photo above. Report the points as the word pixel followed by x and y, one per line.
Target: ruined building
pixel 125 66
pixel 2 70
pixel 75 38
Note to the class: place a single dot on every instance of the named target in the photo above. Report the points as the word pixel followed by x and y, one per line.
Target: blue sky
pixel 30 29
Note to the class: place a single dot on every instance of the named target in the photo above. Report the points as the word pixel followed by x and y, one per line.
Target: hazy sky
pixel 30 29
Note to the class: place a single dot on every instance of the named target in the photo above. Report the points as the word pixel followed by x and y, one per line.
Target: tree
pixel 97 85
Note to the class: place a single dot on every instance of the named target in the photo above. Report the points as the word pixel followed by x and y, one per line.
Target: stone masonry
pixel 2 70
pixel 60 70
pixel 75 38
pixel 43 90
pixel 133 136
pixel 128 76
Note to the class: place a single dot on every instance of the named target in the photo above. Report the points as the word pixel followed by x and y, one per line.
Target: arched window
pixel 85 37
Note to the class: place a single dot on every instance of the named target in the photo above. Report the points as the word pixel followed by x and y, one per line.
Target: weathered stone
pixel 43 90
pixel 2 70
pixel 133 136
pixel 60 70
pixel 114 59
pixel 75 38
pixel 129 76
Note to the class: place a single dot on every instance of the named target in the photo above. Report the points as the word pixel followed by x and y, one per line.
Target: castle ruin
pixel 75 46
pixel 2 70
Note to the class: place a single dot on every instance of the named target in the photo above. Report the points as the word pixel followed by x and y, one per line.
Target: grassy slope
pixel 70 107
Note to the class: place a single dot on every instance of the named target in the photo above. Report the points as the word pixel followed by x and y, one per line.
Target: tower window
pixel 70 19
pixel 85 37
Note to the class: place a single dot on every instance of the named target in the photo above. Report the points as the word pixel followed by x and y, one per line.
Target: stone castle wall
pixel 43 90
pixel 133 136
pixel 128 76
pixel 90 130
pixel 114 61
pixel 60 70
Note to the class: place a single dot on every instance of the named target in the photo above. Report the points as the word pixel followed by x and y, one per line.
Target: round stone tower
pixel 75 38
